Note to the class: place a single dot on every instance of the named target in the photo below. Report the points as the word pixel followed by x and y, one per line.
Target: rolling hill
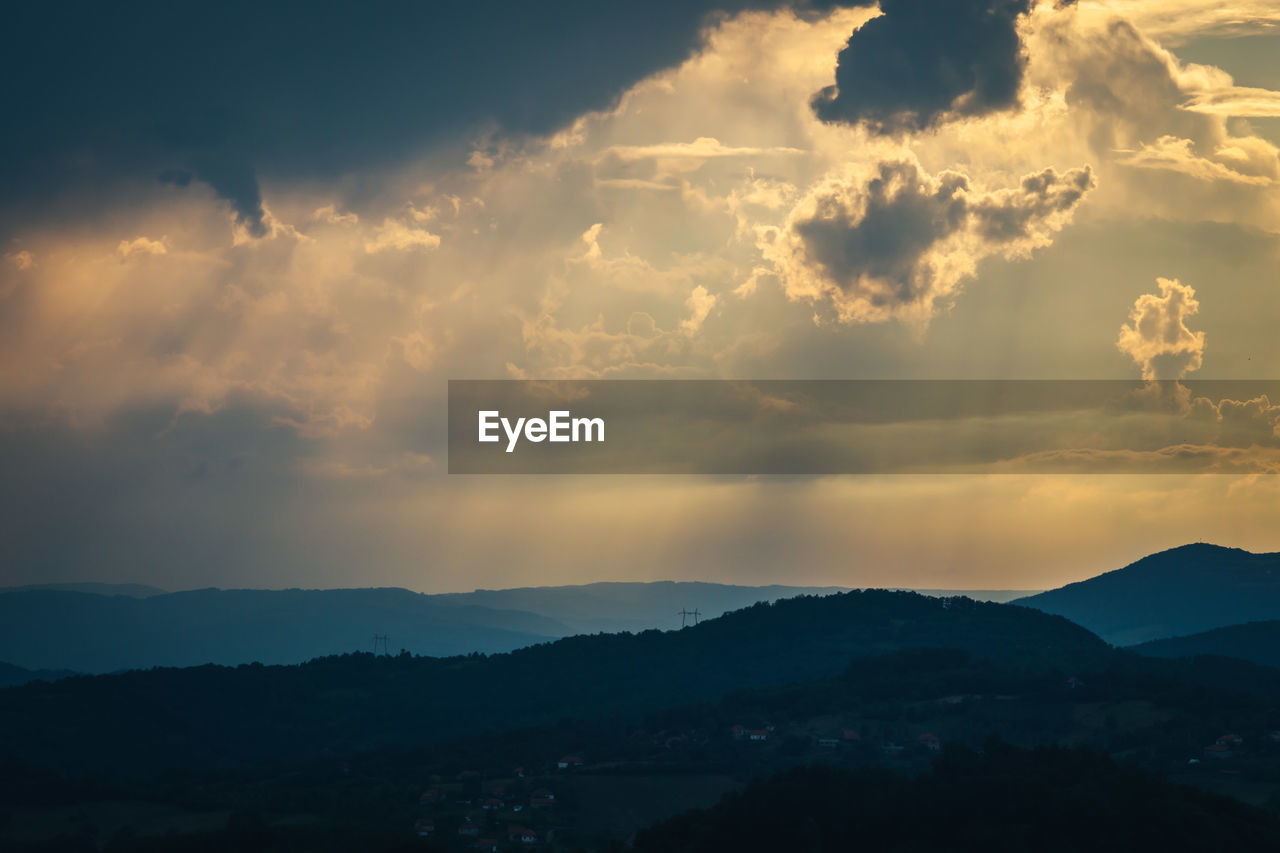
pixel 612 607
pixel 96 628
pixel 1181 591
pixel 210 716
pixel 1257 642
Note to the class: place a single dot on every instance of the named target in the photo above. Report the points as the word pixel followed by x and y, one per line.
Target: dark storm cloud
pixel 100 94
pixel 900 217
pixel 877 242
pixel 924 60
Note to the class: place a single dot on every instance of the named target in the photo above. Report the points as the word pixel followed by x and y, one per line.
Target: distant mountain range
pixel 13 676
pixel 54 629
pixel 1182 591
pixel 613 607
pixel 96 628
pixel 132 590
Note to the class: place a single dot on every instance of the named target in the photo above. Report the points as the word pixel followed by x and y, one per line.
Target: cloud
pixel 1175 22
pixel 208 116
pixel 1157 337
pixel 393 234
pixel 921 63
pixel 23 260
pixel 1242 101
pixel 1177 458
pixel 699 303
pixel 1246 423
pixel 235 180
pixel 702 148
pixel 141 245
pixel 329 213
pixel 1233 162
pixel 893 242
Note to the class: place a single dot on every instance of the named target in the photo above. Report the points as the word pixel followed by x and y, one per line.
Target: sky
pixel 245 248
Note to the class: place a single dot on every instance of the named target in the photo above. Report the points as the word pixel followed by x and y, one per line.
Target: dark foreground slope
pixel 1181 591
pixel 1257 642
pixel 889 711
pixel 1004 800
pixel 138 722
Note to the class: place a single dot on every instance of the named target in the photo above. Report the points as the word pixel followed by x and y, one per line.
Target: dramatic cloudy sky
pixel 244 248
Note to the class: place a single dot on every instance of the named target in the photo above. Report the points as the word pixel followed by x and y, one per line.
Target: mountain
pixel 97 628
pixel 13 676
pixel 133 590
pixel 1257 642
pixel 209 716
pixel 613 607
pixel 55 629
pixel 1181 591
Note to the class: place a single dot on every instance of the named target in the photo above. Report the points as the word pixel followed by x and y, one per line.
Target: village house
pixel 1230 740
pixel 759 734
pixel 569 761
pixel 542 797
pixel 738 732
pixel 522 834
pixel 850 734
pixel 424 827
pixel 491 803
pixel 488 844
pixel 1217 750
pixel 431 795
pixel 469 830
pixel 930 742
pixel 828 742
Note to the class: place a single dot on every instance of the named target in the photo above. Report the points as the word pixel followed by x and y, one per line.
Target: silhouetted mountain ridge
pixel 1181 591
pixel 96 628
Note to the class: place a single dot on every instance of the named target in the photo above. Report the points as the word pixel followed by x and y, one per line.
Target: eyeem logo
pixel 560 426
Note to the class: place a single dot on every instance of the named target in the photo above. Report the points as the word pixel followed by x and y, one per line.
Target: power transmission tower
pixel 381 640
pixel 686 614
